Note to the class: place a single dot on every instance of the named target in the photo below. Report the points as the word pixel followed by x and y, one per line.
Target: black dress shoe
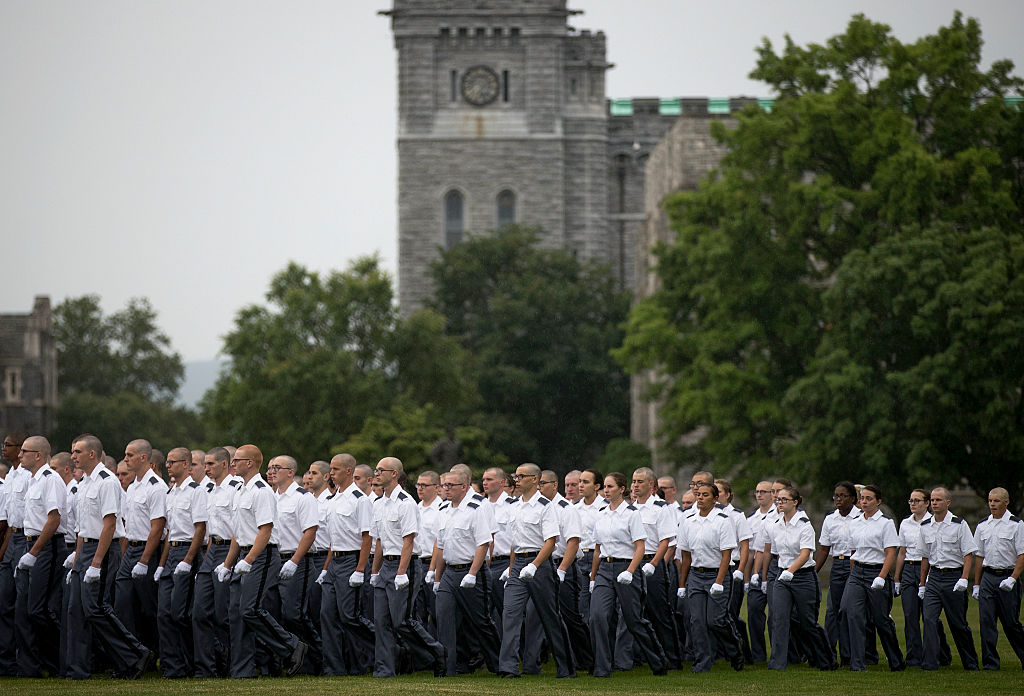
pixel 141 666
pixel 297 658
pixel 441 663
pixel 509 675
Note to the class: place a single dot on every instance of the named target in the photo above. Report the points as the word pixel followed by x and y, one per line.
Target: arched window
pixel 506 208
pixel 453 221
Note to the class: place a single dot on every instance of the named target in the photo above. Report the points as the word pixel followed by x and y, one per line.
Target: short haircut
pixel 704 484
pixel 848 487
pixel 432 476
pixel 219 454
pixel 705 475
pixel 874 489
pixel 945 492
pixel 783 481
pixel 320 466
pixel 531 469
pixel 724 486
pixel 647 473
pixel 90 443
pixel 143 447
pixel 286 462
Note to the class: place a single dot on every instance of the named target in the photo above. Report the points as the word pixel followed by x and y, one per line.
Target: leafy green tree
pixel 839 296
pixel 623 455
pixel 537 325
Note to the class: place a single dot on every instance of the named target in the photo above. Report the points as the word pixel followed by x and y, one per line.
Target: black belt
pixel 247 549
pixel 132 542
pixel 871 566
pixel 181 543
pixel 998 572
pixel 556 561
pixel 842 557
pixel 775 556
pixel 459 566
pixel 611 559
pixel 392 557
pixel 648 556
pixel 426 559
pixel 499 558
pixel 31 539
pixel 912 563
pixel 342 554
pixel 17 530
pixel 287 555
pixel 701 569
pixel 587 550
pixel 87 540
pixel 958 569
pixel 322 553
pixel 217 541
pixel 71 544
pixel 527 552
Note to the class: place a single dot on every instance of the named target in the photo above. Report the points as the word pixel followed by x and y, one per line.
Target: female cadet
pixel 705 541
pixel 834 541
pixel 869 588
pixel 618 551
pixel 796 591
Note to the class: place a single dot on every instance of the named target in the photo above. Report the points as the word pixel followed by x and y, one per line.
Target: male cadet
pixel 63 466
pixel 12 548
pixel 348 639
pixel 463 540
pixel 37 612
pixel 589 505
pixel 186 528
pixel 563 558
pixel 124 475
pixel 740 560
pixel 255 546
pixel 91 618
pixel 946 560
pixel 500 501
pixel 572 486
pixel 427 486
pixel 362 476
pixel 210 634
pixel 316 481
pixel 395 524
pixel 530 575
pixel 198 468
pixel 1000 539
pixel 660 523
pixel 297 522
pixel 757 600
pixel 145 506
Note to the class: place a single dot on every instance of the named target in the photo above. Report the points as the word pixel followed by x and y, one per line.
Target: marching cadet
pixel 834 541
pixel 186 529
pixel 15 486
pixel 1000 538
pixel 948 551
pixel 428 484
pixel 740 561
pixel 500 501
pixel 588 506
pixel 757 600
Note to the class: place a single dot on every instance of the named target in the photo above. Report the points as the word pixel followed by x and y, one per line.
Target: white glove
pixel 69 562
pixel 976 591
pixel 1007 584
pixel 222 572
pixel 625 578
pixel 288 569
pixel 716 589
pixel 26 561
pixel 896 588
pixel 157 573
pixel 528 572
pixel 140 570
pixel 435 587
pixel 592 586
pixel 67 579
pixel 374 579
pixel 961 585
pixel 92 574
pixel 428 577
pixel 680 592
pixel 755 580
pixel 356 579
pixel 648 569
pixel 401 581
pixel 243 567
pixel 746 587
pixel 504 575
pixel 468 581
pixel 320 577
pixel 183 568
pixel 737 575
pixel 920 592
pixel 877 583
pixel 785 576
pixel 561 574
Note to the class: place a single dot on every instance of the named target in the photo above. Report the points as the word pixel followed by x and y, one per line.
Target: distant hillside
pixel 199 376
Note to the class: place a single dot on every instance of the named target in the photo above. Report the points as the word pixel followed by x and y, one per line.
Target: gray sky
pixel 186 151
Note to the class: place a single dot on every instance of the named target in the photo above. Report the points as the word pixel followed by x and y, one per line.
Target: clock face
pixel 480 85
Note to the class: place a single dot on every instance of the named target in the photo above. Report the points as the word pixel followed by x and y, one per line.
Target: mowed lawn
pixel 721 681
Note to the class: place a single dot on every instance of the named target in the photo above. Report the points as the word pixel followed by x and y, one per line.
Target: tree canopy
pixel 843 296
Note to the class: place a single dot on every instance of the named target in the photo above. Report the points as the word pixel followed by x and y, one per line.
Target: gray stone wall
pixel 28 368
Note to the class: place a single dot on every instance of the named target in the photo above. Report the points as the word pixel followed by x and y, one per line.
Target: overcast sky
pixel 186 151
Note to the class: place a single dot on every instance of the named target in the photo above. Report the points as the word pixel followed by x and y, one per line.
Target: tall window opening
pixel 453 219
pixel 506 208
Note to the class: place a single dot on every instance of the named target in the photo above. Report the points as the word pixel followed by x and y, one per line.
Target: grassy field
pixel 721 681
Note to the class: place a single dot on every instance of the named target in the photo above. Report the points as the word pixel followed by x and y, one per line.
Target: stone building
pixel 28 365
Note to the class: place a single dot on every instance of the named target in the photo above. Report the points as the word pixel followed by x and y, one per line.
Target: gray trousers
pixel 542 590
pixel 394 623
pixel 174 617
pixel 496 596
pixel 995 604
pixel 91 617
pixel 938 597
pixel 37 611
pixel 757 602
pixel 658 605
pixel 862 604
pixel 912 609
pixel 8 593
pixel 577 631
pixel 608 597
pixel 295 608
pixel 250 622
pixel 135 598
pixel 583 567
pixel 210 634
pixel 709 614
pixel 797 599
pixel 348 638
pixel 465 609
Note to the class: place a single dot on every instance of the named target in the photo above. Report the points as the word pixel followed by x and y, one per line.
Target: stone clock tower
pixel 501 118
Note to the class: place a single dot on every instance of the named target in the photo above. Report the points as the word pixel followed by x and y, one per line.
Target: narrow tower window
pixel 453 224
pixel 506 208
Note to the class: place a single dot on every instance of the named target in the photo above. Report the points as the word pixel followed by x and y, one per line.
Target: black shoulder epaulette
pixel 722 514
pixel 602 509
pixel 473 505
pixel 47 472
pixel 956 520
pixel 885 516
pixel 804 519
pixel 260 484
pixel 739 510
pixel 104 473
pixel 153 481
pixel 300 489
pixel 193 485
pixel 358 493
pixel 510 499
pixel 544 501
pixel 478 498
pixel 1014 518
pixel 660 503
pixel 631 507
pixel 378 497
pixel 402 496
pixel 74 489
pixel 169 489
pixel 331 496
pixel 719 506
pixel 209 487
pixel 444 506
pixel 563 503
pixel 233 483
pixel 923 523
